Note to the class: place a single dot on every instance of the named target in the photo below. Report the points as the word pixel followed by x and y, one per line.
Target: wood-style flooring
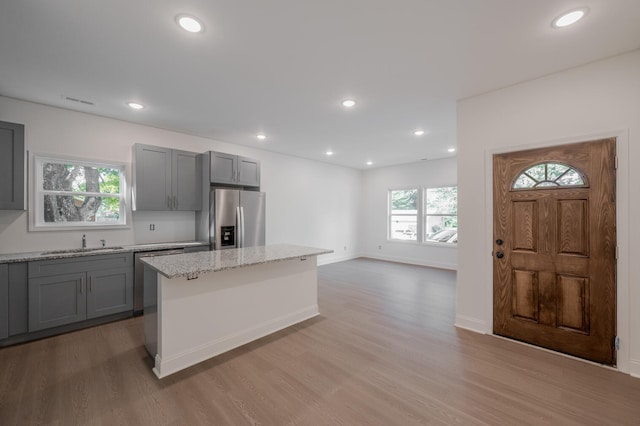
pixel 383 352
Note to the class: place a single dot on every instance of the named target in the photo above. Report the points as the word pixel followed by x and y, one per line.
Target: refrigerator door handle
pixel 241 226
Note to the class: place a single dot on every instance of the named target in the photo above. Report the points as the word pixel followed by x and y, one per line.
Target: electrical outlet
pixel 379 247
pixel 152 227
pixel 345 248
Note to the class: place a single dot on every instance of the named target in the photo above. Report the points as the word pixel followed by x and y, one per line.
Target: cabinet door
pixel 12 159
pixel 18 298
pixel 248 172
pixel 187 181
pixel 57 300
pixel 224 168
pixel 152 184
pixel 4 301
pixel 109 292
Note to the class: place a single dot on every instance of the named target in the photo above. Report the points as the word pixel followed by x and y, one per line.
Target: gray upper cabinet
pixel 65 291
pixel 187 182
pixel 249 172
pixel 166 179
pixel 224 168
pixel 152 180
pixel 12 171
pixel 234 170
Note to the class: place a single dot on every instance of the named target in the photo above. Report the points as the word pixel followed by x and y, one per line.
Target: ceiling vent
pixel 80 101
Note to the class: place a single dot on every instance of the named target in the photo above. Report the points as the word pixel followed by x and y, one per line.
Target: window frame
pixel 421 216
pixel 426 215
pixel 555 185
pixel 390 214
pixel 39 193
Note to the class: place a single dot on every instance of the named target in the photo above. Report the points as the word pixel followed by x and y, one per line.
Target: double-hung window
pixel 76 193
pixel 441 214
pixel 403 217
pixel 424 215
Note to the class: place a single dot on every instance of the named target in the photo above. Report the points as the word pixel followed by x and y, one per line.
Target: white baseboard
pixel 195 355
pixel 412 261
pixel 328 259
pixel 634 368
pixel 471 324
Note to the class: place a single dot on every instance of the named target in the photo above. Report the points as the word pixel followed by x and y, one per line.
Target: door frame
pixel 622 224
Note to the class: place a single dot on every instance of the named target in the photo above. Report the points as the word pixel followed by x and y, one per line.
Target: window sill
pixel 36 228
pixel 444 245
pixel 425 244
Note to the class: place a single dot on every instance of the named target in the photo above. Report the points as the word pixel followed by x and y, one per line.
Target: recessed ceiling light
pixel 261 136
pixel 329 153
pixel 451 150
pixel 135 105
pixel 189 23
pixel 369 163
pixel 348 103
pixel 418 132
pixel 569 18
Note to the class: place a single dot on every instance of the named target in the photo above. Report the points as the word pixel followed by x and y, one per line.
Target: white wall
pixel 308 203
pixel 373 228
pixel 599 99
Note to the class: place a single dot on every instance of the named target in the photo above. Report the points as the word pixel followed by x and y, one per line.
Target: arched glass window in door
pixel 550 175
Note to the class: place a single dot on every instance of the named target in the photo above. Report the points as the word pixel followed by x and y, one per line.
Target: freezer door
pixel 224 226
pixel 252 205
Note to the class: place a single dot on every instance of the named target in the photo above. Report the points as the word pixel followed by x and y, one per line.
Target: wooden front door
pixel 554 232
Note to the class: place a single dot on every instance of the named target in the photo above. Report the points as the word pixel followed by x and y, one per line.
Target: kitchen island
pixel 199 305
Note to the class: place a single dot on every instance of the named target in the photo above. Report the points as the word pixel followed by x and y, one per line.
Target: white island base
pixel 196 319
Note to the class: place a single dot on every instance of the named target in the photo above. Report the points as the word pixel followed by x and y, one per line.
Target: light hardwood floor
pixel 384 351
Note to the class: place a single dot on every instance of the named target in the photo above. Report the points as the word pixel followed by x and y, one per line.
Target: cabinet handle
pixel 82 285
pixel 90 284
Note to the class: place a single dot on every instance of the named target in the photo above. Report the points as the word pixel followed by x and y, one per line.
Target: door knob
pixel 499 255
pixel 499 242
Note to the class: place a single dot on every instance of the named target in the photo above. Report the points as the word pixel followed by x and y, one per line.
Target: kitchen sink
pixel 84 250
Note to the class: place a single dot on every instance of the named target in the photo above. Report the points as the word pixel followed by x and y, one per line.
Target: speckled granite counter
pixel 193 264
pixel 58 254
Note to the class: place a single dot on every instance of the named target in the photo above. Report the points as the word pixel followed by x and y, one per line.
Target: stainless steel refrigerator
pixel 237 218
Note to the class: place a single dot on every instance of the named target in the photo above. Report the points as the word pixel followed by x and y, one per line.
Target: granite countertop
pixel 193 264
pixel 65 254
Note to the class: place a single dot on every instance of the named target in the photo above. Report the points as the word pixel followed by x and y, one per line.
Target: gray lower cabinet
pixel 66 291
pixel 4 301
pixel 109 292
pixel 57 300
pixel 234 170
pixel 13 299
pixel 166 179
pixel 12 166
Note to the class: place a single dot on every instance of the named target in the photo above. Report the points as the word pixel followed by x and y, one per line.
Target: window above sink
pixel 78 194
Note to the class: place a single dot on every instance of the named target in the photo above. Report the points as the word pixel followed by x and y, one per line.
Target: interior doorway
pixel 554 244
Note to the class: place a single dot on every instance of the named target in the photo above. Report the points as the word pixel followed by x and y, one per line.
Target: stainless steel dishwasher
pixel 138 284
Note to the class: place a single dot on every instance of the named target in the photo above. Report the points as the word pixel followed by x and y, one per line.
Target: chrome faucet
pixel 84 241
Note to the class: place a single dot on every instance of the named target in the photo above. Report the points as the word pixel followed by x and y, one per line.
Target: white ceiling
pixel 282 66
